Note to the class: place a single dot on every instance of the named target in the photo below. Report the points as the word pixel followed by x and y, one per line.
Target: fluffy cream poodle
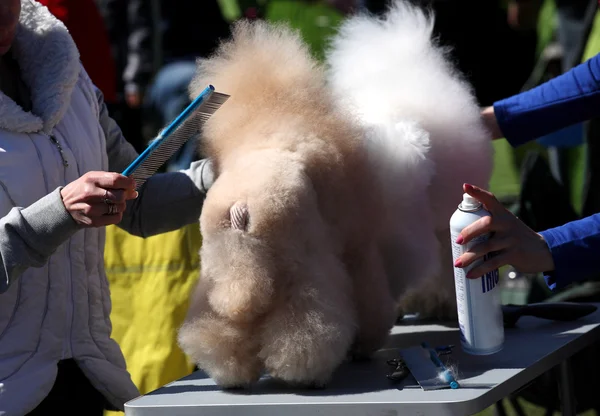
pixel 334 191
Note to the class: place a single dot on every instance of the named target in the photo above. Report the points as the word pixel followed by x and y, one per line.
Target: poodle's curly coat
pixel 333 193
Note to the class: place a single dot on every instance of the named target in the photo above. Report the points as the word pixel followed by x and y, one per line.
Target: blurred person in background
pixel 119 18
pixel 86 26
pixel 156 44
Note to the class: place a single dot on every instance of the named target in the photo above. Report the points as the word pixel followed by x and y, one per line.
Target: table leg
pixel 516 406
pixel 499 409
pixel 566 388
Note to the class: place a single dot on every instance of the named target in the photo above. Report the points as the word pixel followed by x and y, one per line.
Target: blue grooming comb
pixel 187 125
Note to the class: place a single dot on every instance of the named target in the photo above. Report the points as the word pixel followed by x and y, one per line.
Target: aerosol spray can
pixel 478 300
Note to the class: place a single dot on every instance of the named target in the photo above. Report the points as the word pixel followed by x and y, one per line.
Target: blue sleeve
pixel 570 98
pixel 575 249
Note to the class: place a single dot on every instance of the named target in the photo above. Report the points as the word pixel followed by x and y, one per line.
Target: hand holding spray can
pixel 477 300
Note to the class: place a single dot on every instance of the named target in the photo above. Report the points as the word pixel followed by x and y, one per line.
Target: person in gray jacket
pixel 59 156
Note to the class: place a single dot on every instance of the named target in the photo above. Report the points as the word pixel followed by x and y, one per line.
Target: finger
pixel 498 260
pixel 113 196
pixel 478 251
pixel 105 220
pixel 131 194
pixel 113 180
pixel 117 196
pixel 116 208
pixel 485 197
pixel 90 210
pixel 482 226
pixel 99 209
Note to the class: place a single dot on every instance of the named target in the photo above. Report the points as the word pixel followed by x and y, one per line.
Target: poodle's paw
pixel 304 377
pixel 400 313
pixel 362 351
pixel 430 307
pixel 305 367
pixel 226 352
pixel 369 342
pixel 234 372
pixel 241 380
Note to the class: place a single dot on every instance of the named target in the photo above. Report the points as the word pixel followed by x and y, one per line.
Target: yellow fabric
pixel 151 281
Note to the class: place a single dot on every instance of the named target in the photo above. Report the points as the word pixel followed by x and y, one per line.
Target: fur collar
pixel 49 62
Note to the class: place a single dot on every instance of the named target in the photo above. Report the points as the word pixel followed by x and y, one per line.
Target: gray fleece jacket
pixel 167 201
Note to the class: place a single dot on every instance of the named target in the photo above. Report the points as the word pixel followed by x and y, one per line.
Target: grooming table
pixel 532 348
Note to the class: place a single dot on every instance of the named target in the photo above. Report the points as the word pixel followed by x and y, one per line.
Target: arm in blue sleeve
pixel 570 98
pixel 575 249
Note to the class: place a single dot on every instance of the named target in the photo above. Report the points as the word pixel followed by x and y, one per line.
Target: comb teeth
pixel 164 147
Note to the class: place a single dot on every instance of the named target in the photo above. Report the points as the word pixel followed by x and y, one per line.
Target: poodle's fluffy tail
pixel 421 113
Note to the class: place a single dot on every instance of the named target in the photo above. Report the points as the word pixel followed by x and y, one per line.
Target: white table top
pixel 532 348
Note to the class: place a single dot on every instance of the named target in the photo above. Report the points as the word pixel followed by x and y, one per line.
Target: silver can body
pixel 478 300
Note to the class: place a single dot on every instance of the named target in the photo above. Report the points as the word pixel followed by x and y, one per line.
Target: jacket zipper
pixel 68 282
pixel 60 150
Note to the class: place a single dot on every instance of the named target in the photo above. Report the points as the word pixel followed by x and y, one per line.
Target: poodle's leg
pixel 445 278
pixel 376 309
pixel 411 256
pixel 309 334
pixel 434 297
pixel 226 352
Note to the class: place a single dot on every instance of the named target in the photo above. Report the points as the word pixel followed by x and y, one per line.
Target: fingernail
pixel 470 275
pixel 460 239
pixel 136 195
pixel 469 187
pixel 458 263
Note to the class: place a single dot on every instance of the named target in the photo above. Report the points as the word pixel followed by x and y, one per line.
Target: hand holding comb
pixel 187 125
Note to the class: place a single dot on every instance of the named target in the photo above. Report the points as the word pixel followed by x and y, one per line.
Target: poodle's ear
pixel 239 216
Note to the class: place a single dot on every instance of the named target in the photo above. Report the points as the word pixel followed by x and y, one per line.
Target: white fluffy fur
pixel 425 133
pixel 391 73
